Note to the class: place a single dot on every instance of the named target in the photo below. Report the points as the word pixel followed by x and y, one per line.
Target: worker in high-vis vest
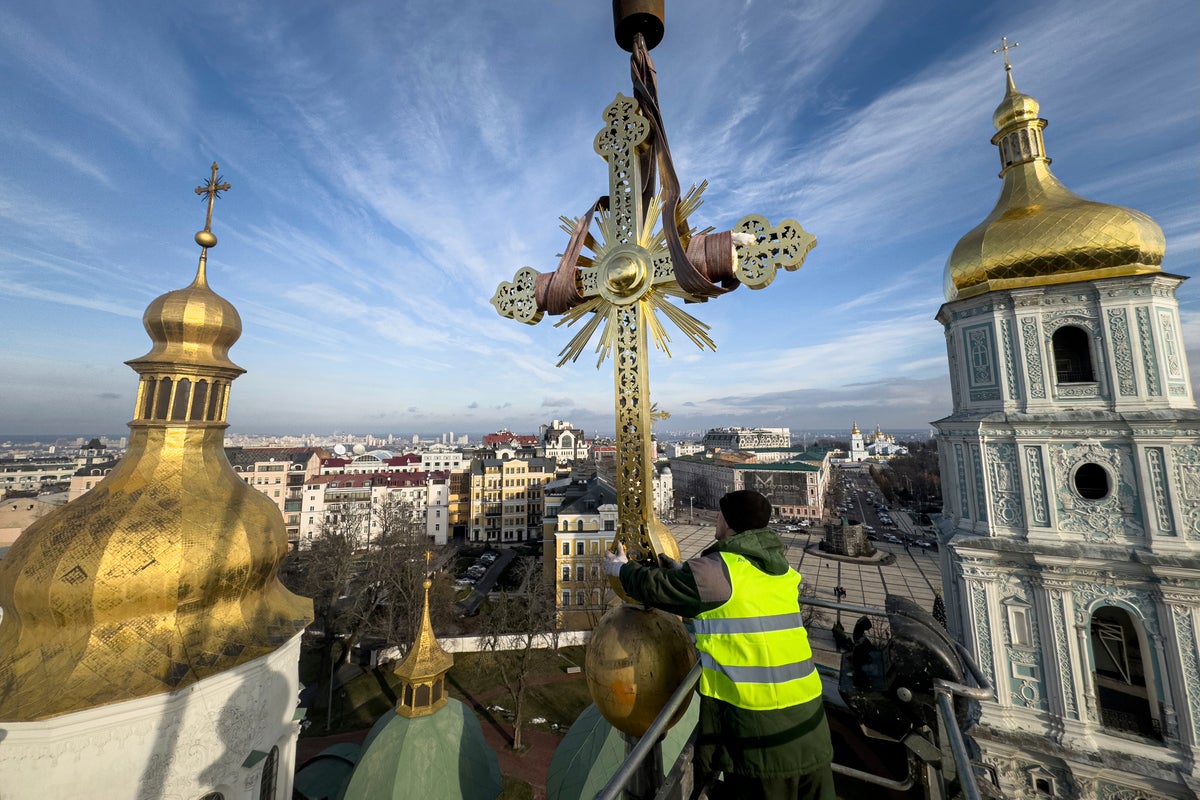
pixel 762 723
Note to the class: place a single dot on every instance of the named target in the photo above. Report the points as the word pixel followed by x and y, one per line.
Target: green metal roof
pixel 439 757
pixel 782 466
pixel 593 750
pixel 324 776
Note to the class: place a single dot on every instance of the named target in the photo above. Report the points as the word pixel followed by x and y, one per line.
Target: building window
pixel 1121 669
pixel 566 574
pixel 566 548
pixel 266 786
pixel 579 526
pixel 579 547
pixel 580 598
pixel 1072 355
pixel 580 572
pixel 566 598
pixel 1018 626
pixel 1091 481
pixel 610 525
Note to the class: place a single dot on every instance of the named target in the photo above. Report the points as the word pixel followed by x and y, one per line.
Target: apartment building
pixel 795 485
pixel 507 499
pixel 580 521
pixel 747 438
pixel 280 473
pixel 354 501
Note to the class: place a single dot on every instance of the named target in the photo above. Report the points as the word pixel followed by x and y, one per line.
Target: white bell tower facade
pixel 1071 483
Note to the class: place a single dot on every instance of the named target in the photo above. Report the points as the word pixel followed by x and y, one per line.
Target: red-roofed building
pixel 507 444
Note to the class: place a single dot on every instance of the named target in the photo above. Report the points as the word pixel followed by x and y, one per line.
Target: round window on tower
pixel 1091 481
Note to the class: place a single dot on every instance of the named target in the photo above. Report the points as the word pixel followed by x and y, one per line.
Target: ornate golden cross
pixel 1004 48
pixel 629 278
pixel 213 189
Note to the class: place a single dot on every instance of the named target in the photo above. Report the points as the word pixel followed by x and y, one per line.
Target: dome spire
pixel 186 374
pixel 205 238
pixel 423 671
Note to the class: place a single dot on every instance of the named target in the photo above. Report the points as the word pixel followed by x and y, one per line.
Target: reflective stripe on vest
pixel 779 674
pixel 754 650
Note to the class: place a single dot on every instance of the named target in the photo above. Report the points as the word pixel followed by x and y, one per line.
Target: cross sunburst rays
pixel 653 299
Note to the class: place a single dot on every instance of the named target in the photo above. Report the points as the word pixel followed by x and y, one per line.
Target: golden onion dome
pixel 193 325
pixel 166 572
pixel 1015 107
pixel 1040 232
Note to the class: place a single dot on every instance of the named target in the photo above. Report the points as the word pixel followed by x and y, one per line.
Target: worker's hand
pixel 669 563
pixel 614 561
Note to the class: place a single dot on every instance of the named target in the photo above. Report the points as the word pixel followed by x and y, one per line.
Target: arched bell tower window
pixel 270 776
pixel 162 400
pixel 199 400
pixel 1121 672
pixel 1072 355
pixel 183 388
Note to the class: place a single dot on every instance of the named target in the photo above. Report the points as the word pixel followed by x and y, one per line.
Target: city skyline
pixel 391 166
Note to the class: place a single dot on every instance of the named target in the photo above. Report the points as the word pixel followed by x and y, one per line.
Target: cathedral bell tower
pixel 1071 477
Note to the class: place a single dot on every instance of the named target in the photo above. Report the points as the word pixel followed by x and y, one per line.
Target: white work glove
pixel 614 561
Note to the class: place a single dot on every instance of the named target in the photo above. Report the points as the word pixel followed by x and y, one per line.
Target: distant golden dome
pixel 1040 232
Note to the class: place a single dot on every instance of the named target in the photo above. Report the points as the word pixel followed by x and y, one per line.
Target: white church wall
pixel 215 735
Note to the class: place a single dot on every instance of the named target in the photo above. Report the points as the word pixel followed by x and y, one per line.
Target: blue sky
pixel 393 162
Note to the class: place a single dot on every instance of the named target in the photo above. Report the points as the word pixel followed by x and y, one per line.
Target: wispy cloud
pixel 389 170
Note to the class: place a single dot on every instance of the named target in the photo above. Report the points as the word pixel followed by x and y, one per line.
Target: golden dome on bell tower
pixel 166 572
pixel 1040 232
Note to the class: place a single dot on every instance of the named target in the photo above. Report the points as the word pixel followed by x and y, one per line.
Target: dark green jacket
pixel 786 741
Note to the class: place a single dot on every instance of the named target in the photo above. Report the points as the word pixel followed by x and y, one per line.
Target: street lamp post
pixel 691 511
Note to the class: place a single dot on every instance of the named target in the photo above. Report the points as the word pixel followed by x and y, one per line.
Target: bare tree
pixel 356 593
pixel 326 571
pixel 395 572
pixel 511 632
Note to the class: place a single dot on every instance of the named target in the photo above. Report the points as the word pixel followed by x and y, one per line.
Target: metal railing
pixel 955 762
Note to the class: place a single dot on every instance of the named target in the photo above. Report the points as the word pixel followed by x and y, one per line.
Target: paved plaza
pixel 913 572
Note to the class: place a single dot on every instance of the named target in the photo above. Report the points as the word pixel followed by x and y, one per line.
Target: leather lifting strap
pixel 557 292
pixel 691 279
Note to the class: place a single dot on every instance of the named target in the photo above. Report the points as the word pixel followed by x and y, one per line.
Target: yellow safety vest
pixel 754 649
